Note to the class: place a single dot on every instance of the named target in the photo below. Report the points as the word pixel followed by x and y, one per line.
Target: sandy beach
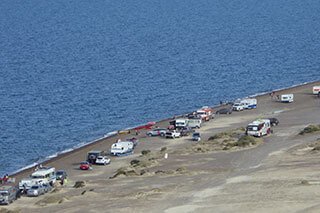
pixel 277 174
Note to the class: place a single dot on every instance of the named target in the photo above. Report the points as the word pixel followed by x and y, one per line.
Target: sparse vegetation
pixel 316 148
pixel 79 184
pixel 224 141
pixel 125 172
pixel 246 140
pixel 3 210
pixel 50 200
pixel 145 152
pixel 305 182
pixel 163 149
pixel 134 162
pixel 310 129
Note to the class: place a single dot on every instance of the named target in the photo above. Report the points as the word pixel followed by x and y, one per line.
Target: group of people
pixel 4 179
pixel 274 96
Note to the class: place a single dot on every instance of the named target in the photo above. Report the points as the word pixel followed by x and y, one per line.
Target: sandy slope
pixel 263 178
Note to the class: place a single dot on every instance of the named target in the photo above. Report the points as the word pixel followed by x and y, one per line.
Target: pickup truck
pixel 173 134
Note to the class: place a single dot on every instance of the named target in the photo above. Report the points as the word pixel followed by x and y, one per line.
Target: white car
pixel 36 190
pixel 102 160
pixel 238 107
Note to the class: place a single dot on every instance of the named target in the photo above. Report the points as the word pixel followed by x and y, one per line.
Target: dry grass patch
pixel 310 129
pixel 51 200
pixel 140 166
pixel 79 184
pixel 230 140
pixel 3 210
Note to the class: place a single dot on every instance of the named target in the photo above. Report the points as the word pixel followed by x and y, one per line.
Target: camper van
pixel 41 176
pixel 259 128
pixel 316 90
pixel 194 123
pixel 249 103
pixel 286 98
pixel 8 194
pixel 122 148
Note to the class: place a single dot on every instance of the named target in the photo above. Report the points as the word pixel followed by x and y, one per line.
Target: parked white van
pixel 249 103
pixel 122 148
pixel 286 98
pixel 194 123
pixel 41 176
pixel 259 128
pixel 181 123
pixel 316 90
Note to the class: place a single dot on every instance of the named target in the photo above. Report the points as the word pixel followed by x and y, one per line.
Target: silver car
pixel 36 190
pixel 157 132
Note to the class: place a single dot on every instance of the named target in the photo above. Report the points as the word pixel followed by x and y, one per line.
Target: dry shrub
pixel 145 152
pixel 134 162
pixel 79 184
pixel 125 172
pixel 246 140
pixel 50 200
pixel 316 148
pixel 181 169
pixel 3 210
pixel 218 136
pixel 163 149
pixel 310 129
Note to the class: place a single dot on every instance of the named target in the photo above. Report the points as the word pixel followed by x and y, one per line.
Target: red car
pixel 85 165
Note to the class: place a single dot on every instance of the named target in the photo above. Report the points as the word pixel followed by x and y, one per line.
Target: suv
pixel 102 160
pixel 61 174
pixel 238 107
pixel 92 155
pixel 224 111
pixel 8 194
pixel 157 132
pixel 196 136
pixel 173 134
pixel 274 121
pixel 36 190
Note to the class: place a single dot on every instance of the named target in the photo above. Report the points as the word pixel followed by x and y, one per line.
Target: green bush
pixel 310 129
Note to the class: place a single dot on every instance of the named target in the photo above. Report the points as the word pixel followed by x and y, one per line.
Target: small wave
pixel 66 151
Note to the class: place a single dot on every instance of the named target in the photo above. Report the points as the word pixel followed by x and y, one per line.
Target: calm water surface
pixel 72 71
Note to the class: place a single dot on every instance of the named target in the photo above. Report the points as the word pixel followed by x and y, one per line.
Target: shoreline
pixel 203 175
pixel 114 134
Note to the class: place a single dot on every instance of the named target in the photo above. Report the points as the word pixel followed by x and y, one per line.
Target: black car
pixel 61 174
pixel 274 121
pixel 224 111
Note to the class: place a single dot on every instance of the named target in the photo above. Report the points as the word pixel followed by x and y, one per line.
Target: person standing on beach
pixel 62 181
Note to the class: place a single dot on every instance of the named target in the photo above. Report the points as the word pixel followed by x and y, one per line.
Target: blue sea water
pixel 74 70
